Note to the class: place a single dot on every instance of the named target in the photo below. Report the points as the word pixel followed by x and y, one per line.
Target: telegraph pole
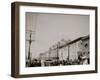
pixel 31 23
pixel 30 42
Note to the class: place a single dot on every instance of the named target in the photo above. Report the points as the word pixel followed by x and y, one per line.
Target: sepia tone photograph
pixel 56 39
pixel 53 39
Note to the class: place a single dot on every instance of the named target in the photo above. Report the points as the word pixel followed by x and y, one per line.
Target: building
pixel 73 49
pixel 67 50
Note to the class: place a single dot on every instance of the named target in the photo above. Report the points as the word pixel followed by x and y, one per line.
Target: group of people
pixel 60 62
pixel 82 59
pixel 34 63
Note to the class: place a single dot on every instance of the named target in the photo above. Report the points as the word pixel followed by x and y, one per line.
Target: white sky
pixel 51 28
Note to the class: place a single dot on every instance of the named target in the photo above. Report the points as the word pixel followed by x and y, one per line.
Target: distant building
pixel 64 50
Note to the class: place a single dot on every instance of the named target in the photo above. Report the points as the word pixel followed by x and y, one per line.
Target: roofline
pixel 80 38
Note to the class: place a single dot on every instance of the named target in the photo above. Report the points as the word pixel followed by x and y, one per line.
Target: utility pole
pixel 30 42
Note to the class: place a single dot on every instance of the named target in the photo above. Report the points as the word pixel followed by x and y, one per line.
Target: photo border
pixel 15 32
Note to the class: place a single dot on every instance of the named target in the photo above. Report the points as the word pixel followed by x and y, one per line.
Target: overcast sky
pixel 51 28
